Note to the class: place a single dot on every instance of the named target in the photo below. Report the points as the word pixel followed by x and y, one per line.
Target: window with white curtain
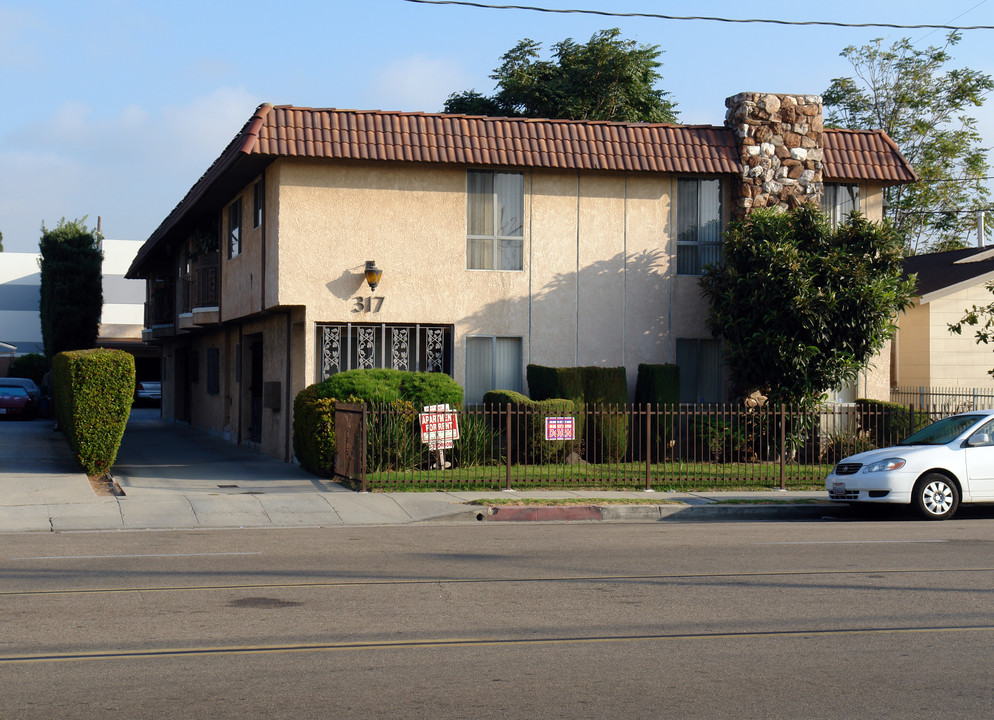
pixel 235 228
pixel 698 224
pixel 492 363
pixel 838 202
pixel 699 360
pixel 495 208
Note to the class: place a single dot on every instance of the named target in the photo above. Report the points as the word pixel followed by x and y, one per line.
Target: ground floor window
pixel 350 346
pixel 492 363
pixel 699 360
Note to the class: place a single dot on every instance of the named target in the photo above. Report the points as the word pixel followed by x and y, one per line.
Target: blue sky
pixel 114 108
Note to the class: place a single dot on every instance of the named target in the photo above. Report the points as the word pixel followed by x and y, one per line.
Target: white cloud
pixel 416 83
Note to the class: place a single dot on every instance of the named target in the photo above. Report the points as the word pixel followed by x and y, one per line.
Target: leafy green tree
pixel 802 308
pixel 32 366
pixel 608 78
pixel 71 290
pixel 1 242
pixel 924 108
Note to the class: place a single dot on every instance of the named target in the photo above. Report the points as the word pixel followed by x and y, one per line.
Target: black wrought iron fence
pixel 672 447
pixel 944 400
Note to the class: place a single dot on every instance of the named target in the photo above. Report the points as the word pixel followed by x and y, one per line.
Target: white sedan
pixel 934 470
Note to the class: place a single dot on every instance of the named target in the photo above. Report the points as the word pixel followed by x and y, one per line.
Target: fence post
pixel 510 449
pixel 648 445
pixel 783 446
pixel 362 449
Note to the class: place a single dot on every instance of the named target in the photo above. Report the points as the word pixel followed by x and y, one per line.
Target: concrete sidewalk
pixel 175 477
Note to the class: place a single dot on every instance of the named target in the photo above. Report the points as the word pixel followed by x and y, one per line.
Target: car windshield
pixel 944 431
pixel 13 391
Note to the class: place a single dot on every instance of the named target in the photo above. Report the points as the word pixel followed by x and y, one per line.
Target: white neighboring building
pixel 20 287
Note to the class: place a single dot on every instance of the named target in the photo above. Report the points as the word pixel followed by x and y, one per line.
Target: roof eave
pixel 233 157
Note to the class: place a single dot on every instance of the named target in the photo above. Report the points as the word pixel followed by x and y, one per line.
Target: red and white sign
pixel 439 426
pixel 560 428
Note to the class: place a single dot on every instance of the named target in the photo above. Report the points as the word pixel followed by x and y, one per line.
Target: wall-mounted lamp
pixel 373 274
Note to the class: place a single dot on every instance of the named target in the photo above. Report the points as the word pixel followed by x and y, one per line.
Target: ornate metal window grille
pixel 347 346
pixel 331 350
pixel 435 349
pixel 400 350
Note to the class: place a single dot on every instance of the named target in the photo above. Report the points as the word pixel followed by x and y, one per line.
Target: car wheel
pixel 935 497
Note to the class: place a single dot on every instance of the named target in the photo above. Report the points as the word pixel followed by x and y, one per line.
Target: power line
pixel 655 16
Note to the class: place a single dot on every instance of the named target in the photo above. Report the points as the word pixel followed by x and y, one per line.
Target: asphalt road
pixel 867 618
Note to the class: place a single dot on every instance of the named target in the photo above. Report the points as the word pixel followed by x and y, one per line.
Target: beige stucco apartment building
pixel 501 242
pixel 925 353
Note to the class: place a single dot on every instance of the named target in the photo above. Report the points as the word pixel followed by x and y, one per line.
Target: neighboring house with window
pixel 925 353
pixel 502 242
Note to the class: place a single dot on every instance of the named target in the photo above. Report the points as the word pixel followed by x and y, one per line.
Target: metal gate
pixel 350 443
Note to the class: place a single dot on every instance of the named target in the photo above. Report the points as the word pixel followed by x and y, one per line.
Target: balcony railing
pixel 205 282
pixel 159 308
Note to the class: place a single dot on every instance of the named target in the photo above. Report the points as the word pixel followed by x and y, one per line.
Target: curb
pixel 649 513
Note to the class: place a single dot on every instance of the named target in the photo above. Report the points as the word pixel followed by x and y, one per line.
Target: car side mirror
pixel 979 439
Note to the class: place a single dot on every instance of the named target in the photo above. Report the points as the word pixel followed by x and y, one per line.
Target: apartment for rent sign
pixel 439 426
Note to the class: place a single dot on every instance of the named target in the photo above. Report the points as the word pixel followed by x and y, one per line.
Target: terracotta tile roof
pixel 864 155
pixel 471 140
pixel 287 131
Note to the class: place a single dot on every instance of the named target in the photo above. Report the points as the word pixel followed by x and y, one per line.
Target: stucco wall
pixel 957 360
pixel 242 275
pixel 593 288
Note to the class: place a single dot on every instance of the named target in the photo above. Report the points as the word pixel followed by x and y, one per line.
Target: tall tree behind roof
pixel 925 109
pixel 608 78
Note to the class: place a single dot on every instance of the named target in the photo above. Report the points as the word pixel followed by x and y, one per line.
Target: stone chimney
pixel 781 149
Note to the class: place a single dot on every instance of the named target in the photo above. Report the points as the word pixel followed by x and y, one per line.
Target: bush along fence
pixel 564 444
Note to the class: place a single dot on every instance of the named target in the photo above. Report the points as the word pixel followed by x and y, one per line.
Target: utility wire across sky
pixel 656 16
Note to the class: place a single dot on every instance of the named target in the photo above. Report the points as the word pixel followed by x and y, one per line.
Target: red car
pixel 15 402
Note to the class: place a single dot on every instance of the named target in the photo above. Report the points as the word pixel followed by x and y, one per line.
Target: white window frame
pixel 697 243
pixel 838 212
pixel 497 240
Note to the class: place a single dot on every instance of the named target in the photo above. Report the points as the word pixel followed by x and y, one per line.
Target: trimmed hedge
pixel 314 431
pixel 382 385
pixel 888 423
pixel 32 366
pixel 606 436
pixel 660 386
pixel 93 392
pixel 535 449
pixel 314 414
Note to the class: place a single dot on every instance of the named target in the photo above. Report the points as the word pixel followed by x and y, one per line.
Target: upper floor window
pixel 839 201
pixel 257 202
pixel 495 208
pixel 698 224
pixel 235 228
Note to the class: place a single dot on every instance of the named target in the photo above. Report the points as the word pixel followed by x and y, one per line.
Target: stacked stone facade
pixel 782 150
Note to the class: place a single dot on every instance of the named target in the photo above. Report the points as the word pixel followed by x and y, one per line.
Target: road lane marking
pixel 431 643
pixel 118 557
pixel 851 542
pixel 484 581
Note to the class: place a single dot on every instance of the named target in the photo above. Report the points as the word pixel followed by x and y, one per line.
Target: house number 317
pixel 367 304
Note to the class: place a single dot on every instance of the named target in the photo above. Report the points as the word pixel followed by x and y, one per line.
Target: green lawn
pixel 683 476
